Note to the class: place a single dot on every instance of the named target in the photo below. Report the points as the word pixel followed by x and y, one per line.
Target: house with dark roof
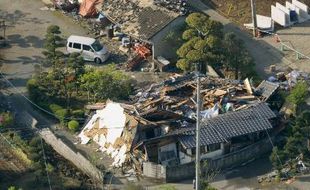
pixel 220 135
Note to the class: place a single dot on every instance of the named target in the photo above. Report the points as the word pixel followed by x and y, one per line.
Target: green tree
pixel 203 42
pixel 52 42
pixel 298 93
pixel 76 63
pixel 107 83
pixel 73 125
pixel 237 58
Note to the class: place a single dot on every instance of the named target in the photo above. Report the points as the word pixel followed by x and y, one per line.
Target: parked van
pixel 90 48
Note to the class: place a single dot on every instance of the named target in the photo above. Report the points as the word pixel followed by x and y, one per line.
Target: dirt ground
pixel 239 11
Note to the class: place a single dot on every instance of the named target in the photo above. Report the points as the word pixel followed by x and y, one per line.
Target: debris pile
pixel 106 128
pixel 179 6
pixel 178 95
pixel 288 80
pixel 137 18
pixel 290 170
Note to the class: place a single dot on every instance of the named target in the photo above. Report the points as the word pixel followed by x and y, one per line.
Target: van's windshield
pixel 97 46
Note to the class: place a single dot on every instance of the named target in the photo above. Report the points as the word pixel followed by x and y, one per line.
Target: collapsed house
pixel 158 125
pixel 144 23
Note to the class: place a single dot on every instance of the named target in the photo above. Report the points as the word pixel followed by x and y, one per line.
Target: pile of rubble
pixel 178 95
pixel 179 6
pixel 288 80
pixel 287 173
pixel 139 19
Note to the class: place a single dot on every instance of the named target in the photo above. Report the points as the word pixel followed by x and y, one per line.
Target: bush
pixel 78 113
pixel 54 107
pixel 73 125
pixel 61 115
pixel 299 93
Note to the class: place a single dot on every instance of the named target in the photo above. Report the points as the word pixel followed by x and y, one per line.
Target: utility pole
pixel 254 21
pixel 197 185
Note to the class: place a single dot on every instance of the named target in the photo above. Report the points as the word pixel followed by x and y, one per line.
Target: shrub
pixel 54 107
pixel 61 115
pixel 299 93
pixel 73 125
pixel 78 113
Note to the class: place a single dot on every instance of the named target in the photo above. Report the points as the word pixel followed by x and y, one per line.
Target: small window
pixel 77 46
pixel 70 44
pixel 87 48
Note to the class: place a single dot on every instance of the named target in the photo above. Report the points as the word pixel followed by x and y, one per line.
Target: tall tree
pixel 203 42
pixel 52 42
pixel 76 63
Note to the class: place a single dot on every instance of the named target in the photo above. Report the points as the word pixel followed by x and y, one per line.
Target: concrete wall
pixel 181 172
pixel 75 157
pixel 187 171
pixel 153 170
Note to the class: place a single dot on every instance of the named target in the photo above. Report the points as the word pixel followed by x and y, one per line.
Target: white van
pixel 90 48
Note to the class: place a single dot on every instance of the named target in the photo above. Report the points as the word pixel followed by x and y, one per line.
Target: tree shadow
pixel 25 60
pixel 19 17
pixel 23 42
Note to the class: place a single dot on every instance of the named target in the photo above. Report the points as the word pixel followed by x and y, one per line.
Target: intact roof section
pixel 266 89
pixel 233 124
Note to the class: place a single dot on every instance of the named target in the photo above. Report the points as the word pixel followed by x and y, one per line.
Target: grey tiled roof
pixel 266 88
pixel 232 124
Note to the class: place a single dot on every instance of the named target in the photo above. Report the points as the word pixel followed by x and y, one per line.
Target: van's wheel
pixel 98 60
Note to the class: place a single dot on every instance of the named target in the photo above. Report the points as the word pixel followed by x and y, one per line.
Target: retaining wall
pixel 75 157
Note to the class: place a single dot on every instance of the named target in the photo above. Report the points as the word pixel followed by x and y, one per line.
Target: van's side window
pixel 70 44
pixel 77 46
pixel 86 48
